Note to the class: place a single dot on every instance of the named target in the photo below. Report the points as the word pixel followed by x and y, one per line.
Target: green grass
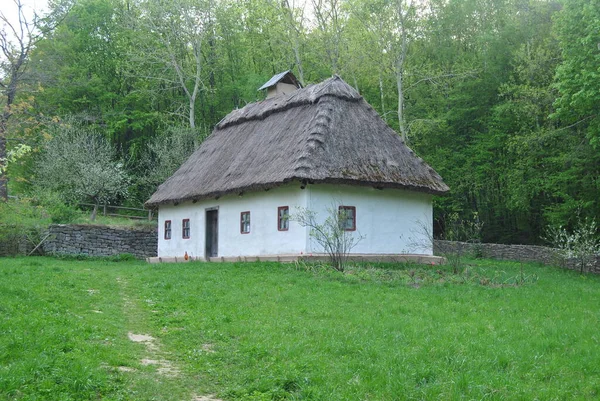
pixel 263 331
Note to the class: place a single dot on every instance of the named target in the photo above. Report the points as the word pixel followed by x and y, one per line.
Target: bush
pixel 58 211
pixel 331 234
pixel 22 221
pixel 581 245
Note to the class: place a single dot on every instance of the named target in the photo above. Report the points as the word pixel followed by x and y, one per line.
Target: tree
pixel 81 165
pixel 330 26
pixel 578 77
pixel 163 156
pixel 81 69
pixel 294 30
pixel 392 25
pixel 172 52
pixel 16 41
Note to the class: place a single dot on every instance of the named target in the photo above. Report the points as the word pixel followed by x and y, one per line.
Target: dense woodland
pixel 501 97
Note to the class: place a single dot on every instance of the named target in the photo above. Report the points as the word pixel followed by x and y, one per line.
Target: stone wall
pixel 13 245
pixel 142 243
pixel 101 240
pixel 521 253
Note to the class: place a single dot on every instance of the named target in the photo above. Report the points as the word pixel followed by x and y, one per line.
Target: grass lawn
pixel 263 331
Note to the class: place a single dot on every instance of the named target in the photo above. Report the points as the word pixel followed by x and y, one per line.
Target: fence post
pixel 105 210
pixel 150 215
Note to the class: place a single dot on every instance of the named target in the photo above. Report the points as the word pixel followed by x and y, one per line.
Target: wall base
pixel 397 258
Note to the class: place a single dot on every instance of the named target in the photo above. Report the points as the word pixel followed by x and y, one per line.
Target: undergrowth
pixel 418 275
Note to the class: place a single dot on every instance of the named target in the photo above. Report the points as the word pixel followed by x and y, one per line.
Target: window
pixel 347 217
pixel 283 218
pixel 167 229
pixel 185 228
pixel 245 223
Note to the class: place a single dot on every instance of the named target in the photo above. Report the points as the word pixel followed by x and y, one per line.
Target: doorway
pixel 212 233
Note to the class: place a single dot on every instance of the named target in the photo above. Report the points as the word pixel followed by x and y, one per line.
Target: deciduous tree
pixel 81 165
pixel 17 38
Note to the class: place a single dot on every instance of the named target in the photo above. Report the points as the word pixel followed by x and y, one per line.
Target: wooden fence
pixel 113 211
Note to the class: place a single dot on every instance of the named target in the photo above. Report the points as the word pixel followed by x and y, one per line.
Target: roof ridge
pixel 303 96
pixel 319 129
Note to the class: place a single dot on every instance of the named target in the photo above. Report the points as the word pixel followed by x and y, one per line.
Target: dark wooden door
pixel 212 233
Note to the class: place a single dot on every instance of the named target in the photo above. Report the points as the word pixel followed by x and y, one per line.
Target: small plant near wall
pixel 462 233
pixel 461 236
pixel 332 234
pixel 581 245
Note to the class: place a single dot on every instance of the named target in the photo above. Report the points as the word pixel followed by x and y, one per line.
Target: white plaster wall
pixel 391 220
pixel 263 239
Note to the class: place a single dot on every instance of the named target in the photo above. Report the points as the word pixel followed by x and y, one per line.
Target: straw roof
pixel 324 133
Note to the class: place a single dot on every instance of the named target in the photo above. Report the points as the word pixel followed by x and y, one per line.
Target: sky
pixel 9 9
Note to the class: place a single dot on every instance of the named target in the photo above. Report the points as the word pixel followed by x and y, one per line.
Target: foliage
pixel 22 222
pixel 581 245
pixel 163 156
pixel 330 234
pixel 461 233
pixel 577 78
pixel 65 332
pixel 81 165
pixel 13 155
pixel 56 208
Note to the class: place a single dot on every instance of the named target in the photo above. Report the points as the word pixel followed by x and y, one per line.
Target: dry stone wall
pixel 88 240
pixel 142 242
pixel 520 253
pixel 13 245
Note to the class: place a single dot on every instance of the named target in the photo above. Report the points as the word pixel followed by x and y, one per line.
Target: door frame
pixel 206 232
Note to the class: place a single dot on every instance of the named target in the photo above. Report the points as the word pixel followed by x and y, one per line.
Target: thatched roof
pixel 324 133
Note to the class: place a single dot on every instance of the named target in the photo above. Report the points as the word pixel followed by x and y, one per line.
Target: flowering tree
pixel 581 245
pixel 80 165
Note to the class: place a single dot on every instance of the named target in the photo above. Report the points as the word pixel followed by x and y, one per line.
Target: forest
pixel 501 97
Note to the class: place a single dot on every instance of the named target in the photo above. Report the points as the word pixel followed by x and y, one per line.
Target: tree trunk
pixel 295 32
pixel 401 122
pixel 3 177
pixel 192 116
pixel 298 62
pixel 400 58
pixel 94 212
pixel 382 97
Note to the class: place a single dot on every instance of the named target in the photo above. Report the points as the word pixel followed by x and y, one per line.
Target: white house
pixel 317 148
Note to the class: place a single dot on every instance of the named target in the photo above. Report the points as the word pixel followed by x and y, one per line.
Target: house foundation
pixel 358 258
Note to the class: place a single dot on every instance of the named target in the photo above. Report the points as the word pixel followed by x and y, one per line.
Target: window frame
pixel 353 209
pixel 168 229
pixel 184 228
pixel 242 222
pixel 279 218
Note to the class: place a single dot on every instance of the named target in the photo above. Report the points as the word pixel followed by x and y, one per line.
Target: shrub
pixel 58 211
pixel 581 245
pixel 331 234
pixel 22 222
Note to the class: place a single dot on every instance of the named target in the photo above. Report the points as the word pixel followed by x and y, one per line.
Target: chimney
pixel 281 84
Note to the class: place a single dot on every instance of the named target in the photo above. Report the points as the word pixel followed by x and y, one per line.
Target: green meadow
pixel 126 330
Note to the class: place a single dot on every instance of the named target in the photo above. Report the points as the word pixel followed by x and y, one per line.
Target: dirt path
pixel 154 355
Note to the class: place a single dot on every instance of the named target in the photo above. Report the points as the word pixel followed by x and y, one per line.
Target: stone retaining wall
pixel 13 245
pixel 520 253
pixel 141 242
